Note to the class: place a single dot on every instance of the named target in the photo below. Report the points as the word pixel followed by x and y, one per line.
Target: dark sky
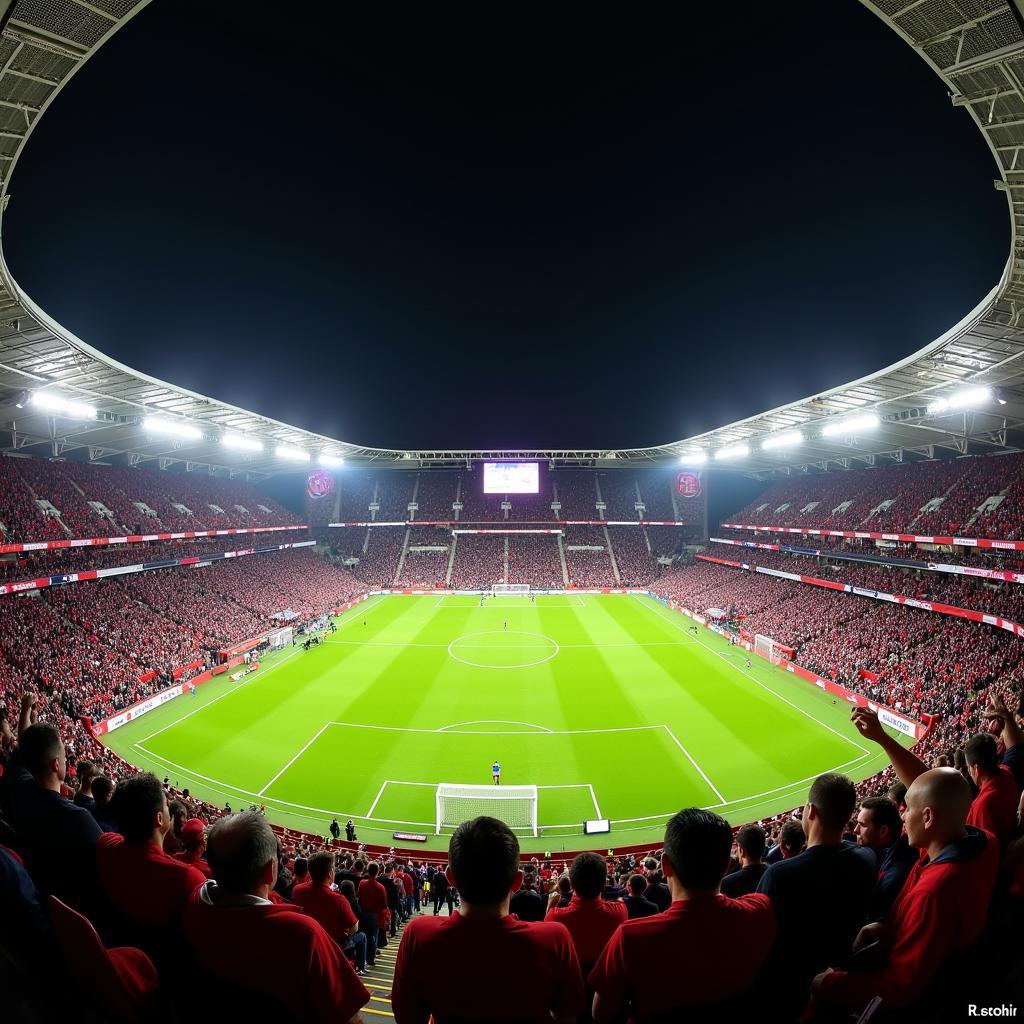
pixel 517 225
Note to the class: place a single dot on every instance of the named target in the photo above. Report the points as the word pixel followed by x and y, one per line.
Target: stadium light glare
pixel 693 459
pixel 851 426
pixel 331 460
pixel 734 451
pixel 175 428
pixel 55 403
pixel 966 399
pixel 248 444
pixel 283 451
pixel 782 440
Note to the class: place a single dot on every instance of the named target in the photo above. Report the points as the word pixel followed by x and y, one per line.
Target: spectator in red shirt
pixel 942 907
pixel 245 940
pixel 145 885
pixel 995 807
pixel 193 836
pixel 482 963
pixel 318 898
pixel 373 899
pixel 591 920
pixel 704 949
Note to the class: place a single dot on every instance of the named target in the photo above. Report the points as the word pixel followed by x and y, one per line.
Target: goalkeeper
pixel 496 773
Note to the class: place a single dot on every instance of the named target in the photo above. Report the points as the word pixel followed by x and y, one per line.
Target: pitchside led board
pixel 511 478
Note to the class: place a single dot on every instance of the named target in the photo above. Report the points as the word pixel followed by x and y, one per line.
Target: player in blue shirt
pixel 496 773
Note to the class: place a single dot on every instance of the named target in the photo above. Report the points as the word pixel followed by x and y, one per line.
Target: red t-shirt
pixel 407 883
pixel 195 858
pixel 941 910
pixel 995 807
pixel 143 882
pixel 698 951
pixel 325 905
pixel 277 950
pixel 453 966
pixel 591 924
pixel 373 897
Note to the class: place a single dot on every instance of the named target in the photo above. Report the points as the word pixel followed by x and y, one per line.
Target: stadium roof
pixel 978 54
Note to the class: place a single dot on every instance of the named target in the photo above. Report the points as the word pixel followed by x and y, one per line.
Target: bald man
pixel 941 909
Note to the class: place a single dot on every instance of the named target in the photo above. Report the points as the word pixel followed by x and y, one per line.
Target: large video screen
pixel 511 478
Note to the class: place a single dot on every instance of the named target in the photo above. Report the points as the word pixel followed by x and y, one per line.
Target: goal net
pixel 768 648
pixel 514 805
pixel 510 588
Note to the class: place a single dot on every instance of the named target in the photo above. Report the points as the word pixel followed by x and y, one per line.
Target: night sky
pixel 510 226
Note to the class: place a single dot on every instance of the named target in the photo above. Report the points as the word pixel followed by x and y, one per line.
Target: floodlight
pixel 55 403
pixel 965 399
pixel 851 426
pixel 175 428
pixel 292 454
pixel 693 459
pixel 735 451
pixel 331 460
pixel 248 444
pixel 782 440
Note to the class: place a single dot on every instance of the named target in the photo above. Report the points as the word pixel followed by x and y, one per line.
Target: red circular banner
pixel 689 485
pixel 319 484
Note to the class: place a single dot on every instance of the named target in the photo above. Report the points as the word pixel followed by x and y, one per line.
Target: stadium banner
pixel 361 524
pixel 908 726
pixel 123 570
pixel 904 538
pixel 135 538
pixel 880 559
pixel 136 711
pixel 143 707
pixel 878 595
pixel 476 593
pixel 506 532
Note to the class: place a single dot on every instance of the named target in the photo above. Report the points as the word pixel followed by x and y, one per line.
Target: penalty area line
pixel 319 733
pixel 689 757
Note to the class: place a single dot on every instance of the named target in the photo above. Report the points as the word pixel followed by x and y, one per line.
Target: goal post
pixel 771 649
pixel 510 588
pixel 514 805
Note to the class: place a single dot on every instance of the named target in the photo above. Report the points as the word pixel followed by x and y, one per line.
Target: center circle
pixel 501 651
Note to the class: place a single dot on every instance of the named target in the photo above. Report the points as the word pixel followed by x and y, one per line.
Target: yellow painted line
pixel 377 1013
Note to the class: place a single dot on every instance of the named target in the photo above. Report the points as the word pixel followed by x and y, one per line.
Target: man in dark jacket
pixel 438 890
pixel 636 905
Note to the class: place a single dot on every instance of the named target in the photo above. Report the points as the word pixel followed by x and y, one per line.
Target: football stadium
pixel 729 725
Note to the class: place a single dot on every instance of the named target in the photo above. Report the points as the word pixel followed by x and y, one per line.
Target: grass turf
pixel 607 703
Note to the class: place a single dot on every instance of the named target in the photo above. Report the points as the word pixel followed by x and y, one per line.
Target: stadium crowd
pixel 171 501
pixel 976 497
pixel 914 895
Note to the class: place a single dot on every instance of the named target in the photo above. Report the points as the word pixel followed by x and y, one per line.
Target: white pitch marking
pixel 376 800
pixel 319 732
pixel 506 732
pixel 203 707
pixel 700 770
pixel 491 721
pixel 775 693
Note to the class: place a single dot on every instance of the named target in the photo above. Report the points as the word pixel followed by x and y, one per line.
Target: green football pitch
pixel 608 704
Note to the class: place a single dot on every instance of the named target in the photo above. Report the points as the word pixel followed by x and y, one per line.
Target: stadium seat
pixel 122 981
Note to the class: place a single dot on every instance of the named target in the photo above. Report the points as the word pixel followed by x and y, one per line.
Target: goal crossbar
pixel 510 588
pixel 514 805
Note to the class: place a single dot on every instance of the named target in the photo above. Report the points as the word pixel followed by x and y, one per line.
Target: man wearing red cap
pixel 193 836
